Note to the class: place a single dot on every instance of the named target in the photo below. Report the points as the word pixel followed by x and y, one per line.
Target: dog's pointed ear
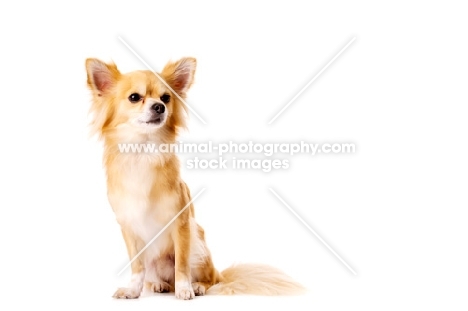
pixel 180 74
pixel 101 76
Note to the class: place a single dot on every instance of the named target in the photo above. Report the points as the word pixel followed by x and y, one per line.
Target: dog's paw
pixel 198 289
pixel 126 293
pixel 159 287
pixel 184 290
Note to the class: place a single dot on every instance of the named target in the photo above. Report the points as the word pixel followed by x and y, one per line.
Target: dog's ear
pixel 101 76
pixel 179 75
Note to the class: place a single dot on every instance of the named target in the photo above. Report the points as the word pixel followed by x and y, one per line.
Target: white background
pixel 395 210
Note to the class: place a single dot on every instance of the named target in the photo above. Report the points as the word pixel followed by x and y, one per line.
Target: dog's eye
pixel 134 98
pixel 165 98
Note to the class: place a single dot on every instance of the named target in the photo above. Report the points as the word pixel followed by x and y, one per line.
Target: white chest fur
pixel 135 209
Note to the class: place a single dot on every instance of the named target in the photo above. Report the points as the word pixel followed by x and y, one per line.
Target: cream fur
pixel 146 190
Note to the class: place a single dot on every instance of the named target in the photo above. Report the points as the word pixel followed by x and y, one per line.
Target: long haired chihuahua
pixel 146 191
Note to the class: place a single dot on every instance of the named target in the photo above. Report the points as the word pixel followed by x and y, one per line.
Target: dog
pixel 146 191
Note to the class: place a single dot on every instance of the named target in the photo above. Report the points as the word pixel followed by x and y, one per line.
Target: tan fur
pixel 146 191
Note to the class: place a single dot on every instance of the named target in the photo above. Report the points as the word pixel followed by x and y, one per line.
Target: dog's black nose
pixel 159 108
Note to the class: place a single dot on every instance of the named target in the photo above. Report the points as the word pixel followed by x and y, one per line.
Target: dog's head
pixel 139 103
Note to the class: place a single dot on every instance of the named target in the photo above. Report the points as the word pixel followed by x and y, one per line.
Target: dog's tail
pixel 255 279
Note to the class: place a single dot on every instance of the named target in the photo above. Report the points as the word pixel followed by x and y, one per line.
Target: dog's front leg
pixel 138 270
pixel 181 236
pixel 183 283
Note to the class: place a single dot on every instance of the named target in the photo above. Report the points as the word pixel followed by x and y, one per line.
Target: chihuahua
pixel 146 192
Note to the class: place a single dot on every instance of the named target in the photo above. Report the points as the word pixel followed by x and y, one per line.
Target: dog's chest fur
pixel 138 204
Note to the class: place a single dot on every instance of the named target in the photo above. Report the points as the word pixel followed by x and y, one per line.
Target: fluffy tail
pixel 255 279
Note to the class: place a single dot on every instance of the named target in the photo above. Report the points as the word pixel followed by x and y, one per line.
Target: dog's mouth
pixel 154 121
